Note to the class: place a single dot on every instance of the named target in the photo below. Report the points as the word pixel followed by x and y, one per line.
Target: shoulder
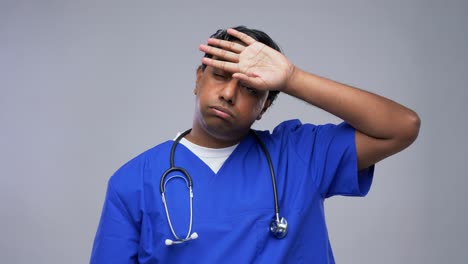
pixel 132 172
pixel 296 133
pixel 284 127
pixel 297 126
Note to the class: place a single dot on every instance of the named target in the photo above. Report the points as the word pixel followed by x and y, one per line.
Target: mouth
pixel 221 112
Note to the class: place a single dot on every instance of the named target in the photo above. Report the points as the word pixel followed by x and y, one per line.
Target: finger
pixel 248 79
pixel 220 53
pixel 242 77
pixel 242 36
pixel 245 75
pixel 223 65
pixel 228 45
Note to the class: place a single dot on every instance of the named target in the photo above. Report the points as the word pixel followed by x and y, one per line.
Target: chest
pixel 232 206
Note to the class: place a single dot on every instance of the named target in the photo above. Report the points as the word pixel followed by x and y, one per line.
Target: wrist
pixel 292 79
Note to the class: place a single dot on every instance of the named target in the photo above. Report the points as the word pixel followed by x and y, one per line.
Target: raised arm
pixel 383 127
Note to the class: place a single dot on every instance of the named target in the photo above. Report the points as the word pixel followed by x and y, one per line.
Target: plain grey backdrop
pixel 87 85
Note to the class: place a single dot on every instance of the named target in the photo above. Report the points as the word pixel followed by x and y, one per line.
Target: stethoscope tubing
pixel 278 224
pixel 272 173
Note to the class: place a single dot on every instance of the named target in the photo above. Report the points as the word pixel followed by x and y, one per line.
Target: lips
pixel 222 112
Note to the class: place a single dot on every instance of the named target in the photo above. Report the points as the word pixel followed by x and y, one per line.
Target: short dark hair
pixel 256 34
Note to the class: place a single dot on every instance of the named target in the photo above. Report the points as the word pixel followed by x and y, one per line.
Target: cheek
pixel 260 104
pixel 258 108
pixel 255 108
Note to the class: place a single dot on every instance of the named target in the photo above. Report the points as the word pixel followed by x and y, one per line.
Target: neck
pixel 208 140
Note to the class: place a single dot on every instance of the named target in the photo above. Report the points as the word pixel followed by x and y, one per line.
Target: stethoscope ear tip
pixel 170 242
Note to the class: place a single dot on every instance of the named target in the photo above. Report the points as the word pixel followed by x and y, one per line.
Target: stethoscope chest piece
pixel 279 227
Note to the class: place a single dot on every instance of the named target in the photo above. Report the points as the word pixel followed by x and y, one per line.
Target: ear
pixel 265 107
pixel 199 75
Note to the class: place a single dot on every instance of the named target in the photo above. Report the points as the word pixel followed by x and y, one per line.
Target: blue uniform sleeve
pixel 117 237
pixel 337 171
pixel 330 154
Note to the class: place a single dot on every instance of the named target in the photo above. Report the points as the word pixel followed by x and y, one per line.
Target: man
pixel 234 199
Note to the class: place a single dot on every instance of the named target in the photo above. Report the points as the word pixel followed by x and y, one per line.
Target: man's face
pixel 225 108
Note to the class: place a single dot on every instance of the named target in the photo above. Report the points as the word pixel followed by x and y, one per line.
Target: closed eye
pixel 220 76
pixel 251 90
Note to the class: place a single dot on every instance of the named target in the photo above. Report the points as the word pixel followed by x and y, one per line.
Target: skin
pixel 383 127
pixel 225 108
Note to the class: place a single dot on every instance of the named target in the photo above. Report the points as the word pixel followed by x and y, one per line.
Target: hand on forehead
pixel 226 53
pixel 256 64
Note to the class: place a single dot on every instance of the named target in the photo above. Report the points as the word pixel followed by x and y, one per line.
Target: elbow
pixel 410 129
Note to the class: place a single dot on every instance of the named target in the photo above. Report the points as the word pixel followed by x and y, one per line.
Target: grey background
pixel 87 85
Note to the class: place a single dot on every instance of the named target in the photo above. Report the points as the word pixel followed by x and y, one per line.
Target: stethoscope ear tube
pixel 187 178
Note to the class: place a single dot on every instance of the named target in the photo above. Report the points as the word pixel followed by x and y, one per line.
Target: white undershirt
pixel 213 157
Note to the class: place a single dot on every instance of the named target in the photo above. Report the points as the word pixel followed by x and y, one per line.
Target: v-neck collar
pixel 213 157
pixel 193 158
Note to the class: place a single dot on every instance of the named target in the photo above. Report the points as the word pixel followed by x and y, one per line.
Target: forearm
pixel 371 114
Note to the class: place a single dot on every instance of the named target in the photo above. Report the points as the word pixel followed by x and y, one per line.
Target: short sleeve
pixel 330 154
pixel 117 237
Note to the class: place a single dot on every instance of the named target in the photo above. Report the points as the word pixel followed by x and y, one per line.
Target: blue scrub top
pixel 232 209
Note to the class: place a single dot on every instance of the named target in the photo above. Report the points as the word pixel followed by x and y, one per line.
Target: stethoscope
pixel 278 226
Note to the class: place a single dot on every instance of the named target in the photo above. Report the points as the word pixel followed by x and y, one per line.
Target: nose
pixel 229 92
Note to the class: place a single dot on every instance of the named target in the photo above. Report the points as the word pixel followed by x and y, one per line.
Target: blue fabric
pixel 233 208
